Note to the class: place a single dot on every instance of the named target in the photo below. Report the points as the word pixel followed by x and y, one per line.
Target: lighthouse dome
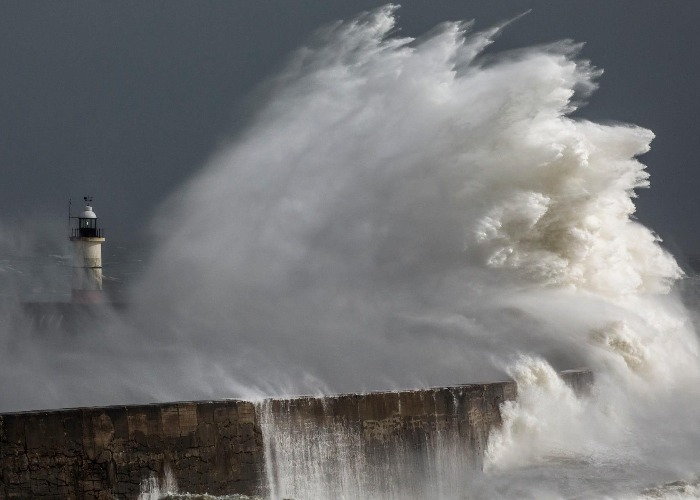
pixel 88 213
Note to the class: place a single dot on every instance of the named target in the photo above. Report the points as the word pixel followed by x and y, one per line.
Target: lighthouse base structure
pixel 87 270
pixel 68 320
pixel 87 297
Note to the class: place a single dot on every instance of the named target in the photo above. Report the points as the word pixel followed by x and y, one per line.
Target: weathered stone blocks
pixel 96 453
pixel 217 446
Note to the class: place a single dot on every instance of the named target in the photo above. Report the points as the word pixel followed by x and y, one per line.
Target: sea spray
pixel 153 488
pixel 411 213
pixel 398 213
pixel 541 417
pixel 391 204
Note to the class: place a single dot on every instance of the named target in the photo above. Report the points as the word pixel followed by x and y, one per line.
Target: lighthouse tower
pixel 87 257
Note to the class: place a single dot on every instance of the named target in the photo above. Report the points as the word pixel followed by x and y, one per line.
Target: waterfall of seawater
pixel 319 455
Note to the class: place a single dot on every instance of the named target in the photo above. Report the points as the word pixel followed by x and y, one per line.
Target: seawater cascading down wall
pixel 275 448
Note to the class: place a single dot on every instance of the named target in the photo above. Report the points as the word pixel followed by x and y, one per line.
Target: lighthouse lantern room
pixel 87 241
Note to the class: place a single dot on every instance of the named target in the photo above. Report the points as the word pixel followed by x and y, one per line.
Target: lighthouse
pixel 87 241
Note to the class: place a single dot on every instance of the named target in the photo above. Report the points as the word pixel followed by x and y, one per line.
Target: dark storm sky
pixel 126 100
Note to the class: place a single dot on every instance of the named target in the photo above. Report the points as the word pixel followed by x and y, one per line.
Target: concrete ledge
pixel 218 447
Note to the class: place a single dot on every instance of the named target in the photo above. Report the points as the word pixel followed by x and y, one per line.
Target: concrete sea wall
pixel 235 446
pixel 107 452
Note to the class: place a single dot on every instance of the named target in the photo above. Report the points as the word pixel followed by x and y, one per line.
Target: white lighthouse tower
pixel 87 241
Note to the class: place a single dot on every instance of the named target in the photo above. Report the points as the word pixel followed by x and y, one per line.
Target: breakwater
pixel 275 448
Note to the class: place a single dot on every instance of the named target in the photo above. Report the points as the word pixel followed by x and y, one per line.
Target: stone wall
pixel 218 446
pixel 102 453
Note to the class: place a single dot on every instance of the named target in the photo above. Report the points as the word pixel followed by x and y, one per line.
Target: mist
pixel 405 213
pixel 399 203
